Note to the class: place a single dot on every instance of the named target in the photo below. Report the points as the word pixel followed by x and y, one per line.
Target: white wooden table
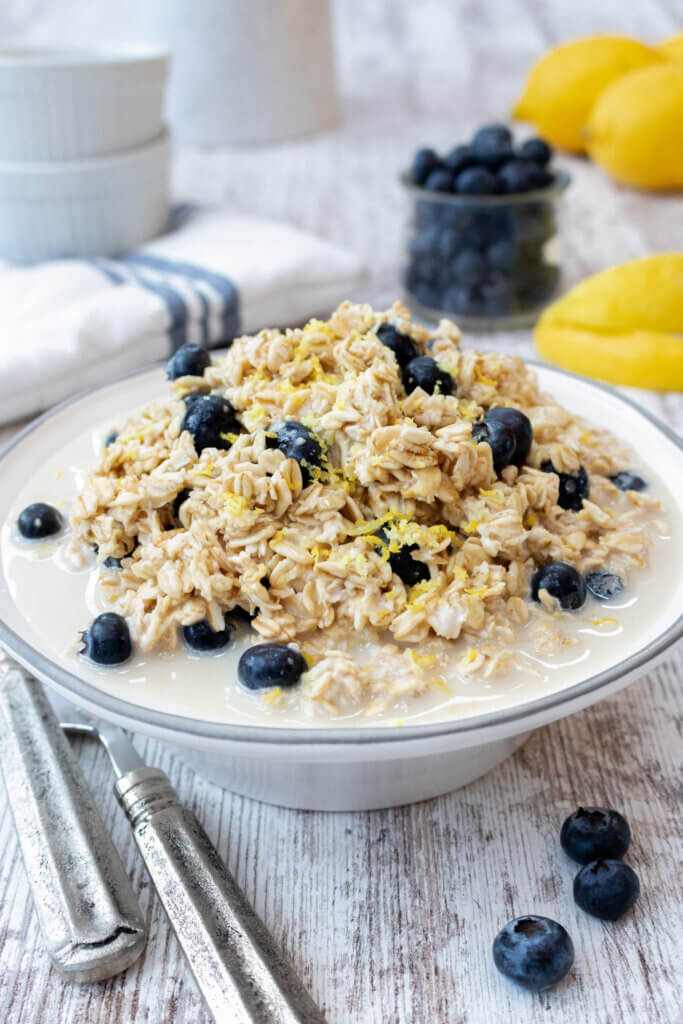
pixel 389 916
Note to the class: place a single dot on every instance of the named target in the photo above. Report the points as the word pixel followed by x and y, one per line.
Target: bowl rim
pixel 181 727
pixel 81 56
pixel 51 170
pixel 560 184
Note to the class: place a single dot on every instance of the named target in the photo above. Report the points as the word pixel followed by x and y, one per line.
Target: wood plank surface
pixel 389 916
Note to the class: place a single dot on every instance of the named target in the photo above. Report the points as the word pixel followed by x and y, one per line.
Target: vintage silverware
pixel 91 923
pixel 243 976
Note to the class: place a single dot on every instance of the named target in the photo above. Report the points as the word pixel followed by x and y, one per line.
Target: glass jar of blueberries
pixel 482 240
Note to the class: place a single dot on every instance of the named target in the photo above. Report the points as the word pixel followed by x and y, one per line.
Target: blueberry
pixel 538 176
pixel 449 242
pixel 496 295
pixel 518 424
pixel 39 520
pixel 112 562
pixel 537 150
pixel 428 294
pixel 628 481
pixel 107 641
pixel 439 180
pixel 459 158
pixel 210 419
pixel 501 255
pixel 201 637
pixel 606 888
pixel 188 361
pixel 593 832
pixel 469 267
pixel 492 145
pixel 267 665
pixel 534 952
pixel 462 299
pixel 562 582
pixel 604 585
pixel 425 240
pixel 574 487
pixel 181 497
pixel 193 396
pixel 296 441
pixel 500 439
pixel 424 161
pixel 410 570
pixel 516 176
pixel 110 438
pixel 402 345
pixel 424 372
pixel 476 181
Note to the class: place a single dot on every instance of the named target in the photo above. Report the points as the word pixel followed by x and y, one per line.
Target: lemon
pixel 563 85
pixel 673 47
pixel 624 325
pixel 635 131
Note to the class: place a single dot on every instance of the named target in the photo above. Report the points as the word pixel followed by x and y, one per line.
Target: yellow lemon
pixel 673 47
pixel 624 325
pixel 563 85
pixel 635 130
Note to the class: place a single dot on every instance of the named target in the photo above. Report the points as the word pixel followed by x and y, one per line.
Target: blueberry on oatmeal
pixel 561 581
pixel 628 481
pixel 296 441
pixel 500 439
pixel 201 637
pixel 211 420
pixel 110 438
pixel 107 640
pixel 424 372
pixel 574 487
pixel 39 520
pixel 409 570
pixel 188 361
pixel 518 424
pixel 401 344
pixel 604 585
pixel 266 665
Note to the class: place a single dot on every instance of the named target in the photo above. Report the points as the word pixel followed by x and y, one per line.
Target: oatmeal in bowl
pixel 356 521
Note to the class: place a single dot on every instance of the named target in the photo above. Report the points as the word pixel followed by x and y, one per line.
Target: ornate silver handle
pixel 89 916
pixel 243 976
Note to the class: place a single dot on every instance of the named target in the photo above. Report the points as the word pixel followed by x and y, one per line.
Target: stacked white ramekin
pixel 84 154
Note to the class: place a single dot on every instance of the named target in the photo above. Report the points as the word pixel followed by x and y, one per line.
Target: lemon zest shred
pixel 469 525
pixel 476 592
pixel 607 618
pixel 485 380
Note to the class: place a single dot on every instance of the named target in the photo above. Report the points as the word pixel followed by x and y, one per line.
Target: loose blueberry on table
pixel 475 259
pixel 188 361
pixel 606 888
pixel 534 952
pixel 267 665
pixel 594 832
pixel 561 581
pixel 107 640
pixel 201 637
pixel 38 521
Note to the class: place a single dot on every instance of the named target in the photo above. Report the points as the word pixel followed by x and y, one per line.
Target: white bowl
pixel 84 208
pixel 77 104
pixel 336 768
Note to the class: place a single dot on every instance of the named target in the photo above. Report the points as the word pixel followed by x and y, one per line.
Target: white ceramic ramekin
pixel 337 769
pixel 83 208
pixel 78 104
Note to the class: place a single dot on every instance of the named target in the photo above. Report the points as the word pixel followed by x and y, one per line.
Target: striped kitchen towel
pixel 72 324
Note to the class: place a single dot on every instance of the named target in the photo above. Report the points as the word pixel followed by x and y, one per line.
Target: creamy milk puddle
pixel 59 602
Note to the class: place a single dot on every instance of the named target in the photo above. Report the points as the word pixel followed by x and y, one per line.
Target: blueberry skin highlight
pixel 208 419
pixel 520 427
pixel 592 833
pixel 296 441
pixel 266 665
pixel 201 637
pixel 628 481
pixel 107 640
pixel 606 888
pixel 38 521
pixel 534 952
pixel 563 582
pixel 188 361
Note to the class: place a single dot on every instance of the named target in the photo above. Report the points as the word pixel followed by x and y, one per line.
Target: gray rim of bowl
pixel 341 735
pixel 554 191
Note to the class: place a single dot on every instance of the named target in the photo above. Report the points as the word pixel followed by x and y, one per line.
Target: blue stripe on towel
pixel 225 288
pixel 119 272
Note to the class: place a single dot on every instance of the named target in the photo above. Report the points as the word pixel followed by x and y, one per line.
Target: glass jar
pixel 488 262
